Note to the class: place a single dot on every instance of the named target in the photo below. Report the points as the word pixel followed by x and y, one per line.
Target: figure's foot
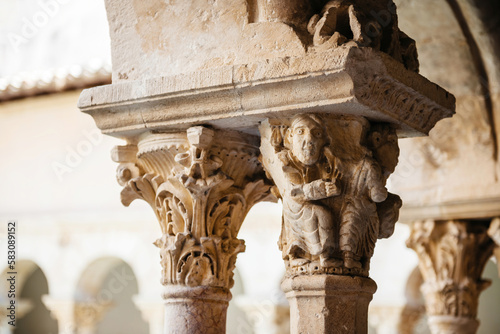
pixel 328 262
pixel 350 262
pixel 297 262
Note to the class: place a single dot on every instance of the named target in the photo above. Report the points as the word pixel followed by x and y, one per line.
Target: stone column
pixel 452 255
pixel 63 310
pixel 200 183
pixel 330 173
pixel 89 314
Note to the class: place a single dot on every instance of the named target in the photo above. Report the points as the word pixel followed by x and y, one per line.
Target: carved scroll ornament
pixel 331 174
pixel 201 184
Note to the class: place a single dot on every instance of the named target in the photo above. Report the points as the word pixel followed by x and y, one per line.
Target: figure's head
pixel 307 138
pixel 383 141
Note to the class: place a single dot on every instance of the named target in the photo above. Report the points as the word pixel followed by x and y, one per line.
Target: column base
pixel 328 304
pixel 447 324
pixel 195 310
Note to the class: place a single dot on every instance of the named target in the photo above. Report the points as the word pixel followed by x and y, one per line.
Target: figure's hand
pixel 331 189
pixel 320 189
pixel 378 194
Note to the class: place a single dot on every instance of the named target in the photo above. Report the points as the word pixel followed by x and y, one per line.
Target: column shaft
pixel 329 304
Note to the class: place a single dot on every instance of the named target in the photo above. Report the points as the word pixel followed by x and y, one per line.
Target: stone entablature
pixel 346 80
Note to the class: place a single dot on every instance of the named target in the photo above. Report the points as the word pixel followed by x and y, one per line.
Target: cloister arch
pixel 104 299
pixel 32 316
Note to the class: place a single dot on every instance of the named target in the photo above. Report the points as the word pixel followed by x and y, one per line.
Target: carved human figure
pixel 310 169
pixel 383 142
pixel 359 225
pixel 369 212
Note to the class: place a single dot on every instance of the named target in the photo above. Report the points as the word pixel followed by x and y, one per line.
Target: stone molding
pixel 474 208
pixel 345 80
pixel 200 183
pixel 331 174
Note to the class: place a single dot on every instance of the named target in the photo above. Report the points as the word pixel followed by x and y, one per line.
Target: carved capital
pixel 201 183
pixel 89 314
pixel 452 256
pixel 330 173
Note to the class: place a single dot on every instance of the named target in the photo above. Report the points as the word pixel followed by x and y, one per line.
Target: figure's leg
pixel 349 237
pixel 326 237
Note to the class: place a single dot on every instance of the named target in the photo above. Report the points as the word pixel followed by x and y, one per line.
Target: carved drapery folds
pixel 201 183
pixel 330 173
pixel 452 256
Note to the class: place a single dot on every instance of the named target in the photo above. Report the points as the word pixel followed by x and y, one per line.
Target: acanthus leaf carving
pixel 200 196
pixel 331 174
pixel 452 256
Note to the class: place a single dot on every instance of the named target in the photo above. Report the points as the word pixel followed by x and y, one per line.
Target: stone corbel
pixel 201 183
pixel 452 256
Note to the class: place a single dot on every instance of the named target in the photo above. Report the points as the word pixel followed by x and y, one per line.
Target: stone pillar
pixel 452 255
pixel 88 315
pixel 63 310
pixel 23 307
pixel 200 183
pixel 330 173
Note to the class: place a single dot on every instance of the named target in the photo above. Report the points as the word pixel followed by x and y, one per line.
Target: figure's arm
pixel 315 190
pixel 376 186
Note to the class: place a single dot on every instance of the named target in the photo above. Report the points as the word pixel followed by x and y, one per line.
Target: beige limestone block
pixel 329 304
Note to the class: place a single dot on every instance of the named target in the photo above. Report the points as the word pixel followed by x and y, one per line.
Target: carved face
pixel 386 150
pixel 307 140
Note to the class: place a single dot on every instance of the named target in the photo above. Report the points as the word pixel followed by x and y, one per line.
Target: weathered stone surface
pixel 332 84
pixel 329 304
pixel 151 39
pixel 201 192
pixel 330 173
pixel 200 183
pixel 197 310
pixel 347 80
pixel 452 256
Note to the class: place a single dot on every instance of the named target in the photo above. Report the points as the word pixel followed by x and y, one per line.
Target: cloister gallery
pixel 300 166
